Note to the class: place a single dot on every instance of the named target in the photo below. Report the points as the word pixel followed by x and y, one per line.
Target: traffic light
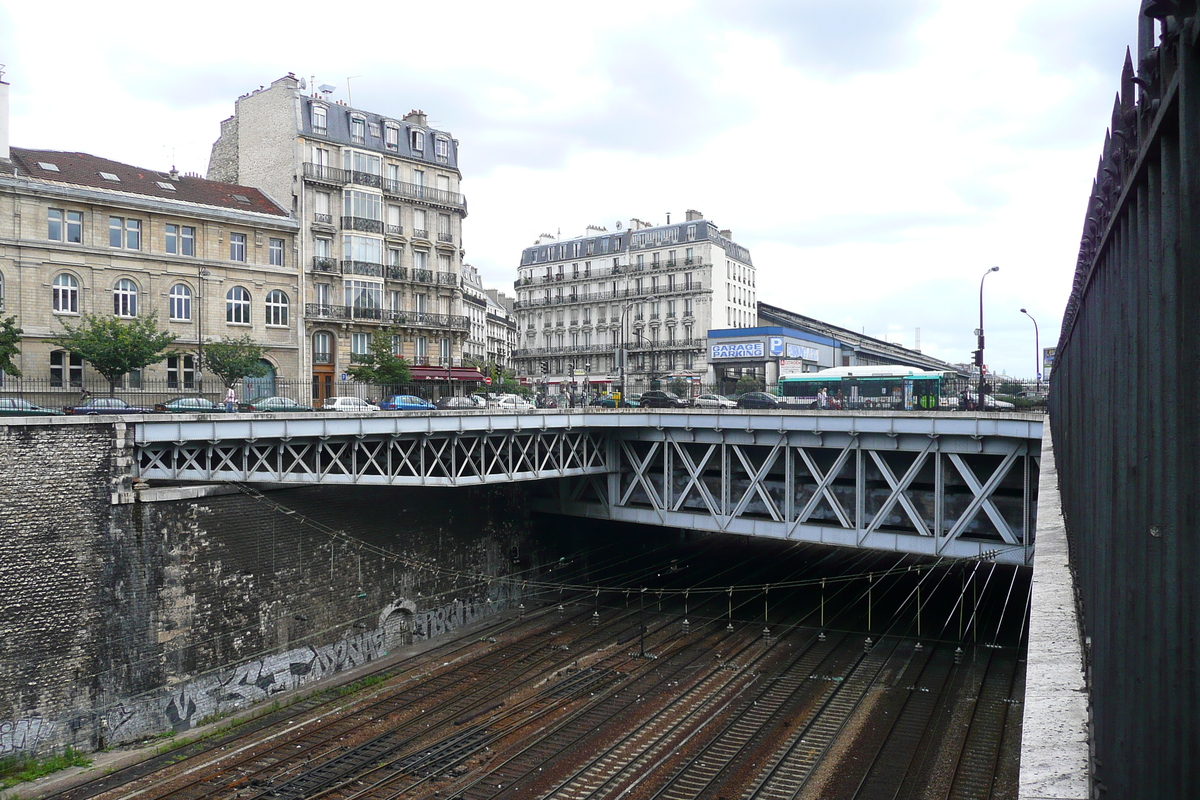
pixel 570 367
pixel 545 367
pixel 979 358
pixel 587 366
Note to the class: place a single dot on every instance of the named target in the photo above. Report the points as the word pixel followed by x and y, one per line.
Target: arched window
pixel 277 308
pixel 66 294
pixel 125 298
pixel 180 300
pixel 237 306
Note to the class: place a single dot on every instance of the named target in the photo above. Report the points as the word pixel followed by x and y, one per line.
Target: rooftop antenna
pixel 349 96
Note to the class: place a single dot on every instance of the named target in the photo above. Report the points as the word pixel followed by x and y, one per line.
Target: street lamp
pixel 979 333
pixel 622 350
pixel 1037 350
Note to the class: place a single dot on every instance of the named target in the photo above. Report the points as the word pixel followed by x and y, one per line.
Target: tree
pixel 233 359
pixel 748 383
pixel 10 337
pixel 680 387
pixel 116 347
pixel 380 365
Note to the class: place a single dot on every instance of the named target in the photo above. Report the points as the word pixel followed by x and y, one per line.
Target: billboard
pixel 737 350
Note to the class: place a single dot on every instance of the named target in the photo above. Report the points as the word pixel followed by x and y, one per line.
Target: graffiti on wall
pixel 24 735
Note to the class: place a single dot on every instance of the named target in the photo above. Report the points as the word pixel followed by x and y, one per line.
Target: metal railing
pixel 593 297
pixel 325 264
pixel 362 224
pixel 410 319
pixel 325 174
pixel 414 191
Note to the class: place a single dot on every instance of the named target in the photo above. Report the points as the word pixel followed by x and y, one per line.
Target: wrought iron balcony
pixel 323 219
pixel 446 237
pixel 420 233
pixel 323 173
pixel 322 358
pixel 362 224
pixel 414 191
pixel 393 230
pixel 366 179
pixel 325 264
pixel 362 268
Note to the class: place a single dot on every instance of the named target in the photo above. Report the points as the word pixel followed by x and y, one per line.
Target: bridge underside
pixel 931 484
pixel 958 497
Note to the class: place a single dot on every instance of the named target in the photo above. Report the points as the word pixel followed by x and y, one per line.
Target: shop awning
pixel 440 374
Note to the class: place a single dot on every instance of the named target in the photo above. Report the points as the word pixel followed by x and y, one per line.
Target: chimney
pixel 4 154
pixel 728 234
pixel 416 117
pixel 174 173
pixel 693 215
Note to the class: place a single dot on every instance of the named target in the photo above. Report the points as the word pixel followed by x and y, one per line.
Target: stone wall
pixel 131 612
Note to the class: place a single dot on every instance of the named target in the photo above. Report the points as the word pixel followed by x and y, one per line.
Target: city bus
pixel 886 387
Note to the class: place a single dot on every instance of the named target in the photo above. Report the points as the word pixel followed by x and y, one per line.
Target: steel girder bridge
pixel 951 485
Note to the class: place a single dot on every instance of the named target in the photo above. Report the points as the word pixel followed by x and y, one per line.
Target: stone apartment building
pixel 80 234
pixel 645 293
pixel 380 213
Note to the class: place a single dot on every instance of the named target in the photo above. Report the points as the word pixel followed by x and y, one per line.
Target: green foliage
pixel 10 337
pixel 748 383
pixel 380 366
pixel 20 770
pixel 116 347
pixel 233 359
pixel 680 387
pixel 1010 387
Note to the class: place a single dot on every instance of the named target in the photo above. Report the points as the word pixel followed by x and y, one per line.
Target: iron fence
pixel 1123 411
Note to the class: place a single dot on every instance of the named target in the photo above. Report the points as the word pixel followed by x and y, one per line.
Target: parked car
pixel 660 399
pixel 713 401
pixel 971 399
pixel 758 400
pixel 190 405
pixel 107 405
pixel 273 404
pixel 512 403
pixel 347 404
pixel 18 407
pixel 405 402
pixel 456 403
pixel 606 401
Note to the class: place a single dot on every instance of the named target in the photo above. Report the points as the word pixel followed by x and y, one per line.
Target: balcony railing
pixel 420 233
pixel 394 230
pixel 362 268
pixel 366 179
pixel 322 358
pixel 362 224
pixel 446 237
pixel 360 358
pixel 325 174
pixel 413 319
pixel 324 264
pixel 414 191
pixel 638 344
pixel 323 219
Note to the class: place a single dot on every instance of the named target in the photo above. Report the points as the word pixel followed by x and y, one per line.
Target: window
pixel 687 307
pixel 323 247
pixel 362 248
pixel 179 302
pixel 71 231
pixel 397 345
pixel 277 308
pixel 126 233
pixel 691 233
pixel 125 298
pixel 358 130
pixel 320 122
pixel 181 371
pixel 275 252
pixel 393 257
pixel 417 140
pixel 360 344
pixel 391 137
pixel 419 229
pixel 322 294
pixel 237 247
pixel 64 365
pixel 422 349
pixel 237 306
pixel 374 129
pixel 445 351
pixel 358 161
pixel 441 149
pixel 322 348
pixel 181 240
pixel 363 205
pixel 320 156
pixel 66 294
pixel 364 296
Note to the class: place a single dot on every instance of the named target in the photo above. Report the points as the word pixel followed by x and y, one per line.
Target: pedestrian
pixel 84 395
pixel 822 398
pixel 230 400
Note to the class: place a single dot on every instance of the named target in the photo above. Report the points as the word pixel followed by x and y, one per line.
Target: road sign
pixel 488 381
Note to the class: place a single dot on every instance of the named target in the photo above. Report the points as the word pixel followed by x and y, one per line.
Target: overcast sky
pixel 875 156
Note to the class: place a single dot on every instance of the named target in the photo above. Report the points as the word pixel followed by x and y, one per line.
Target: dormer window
pixel 319 122
pixel 441 147
pixel 46 165
pixel 358 130
pixel 391 137
pixel 170 187
pixel 374 130
pixel 108 176
pixel 417 140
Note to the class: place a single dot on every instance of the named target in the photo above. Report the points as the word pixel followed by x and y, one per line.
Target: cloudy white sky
pixel 875 156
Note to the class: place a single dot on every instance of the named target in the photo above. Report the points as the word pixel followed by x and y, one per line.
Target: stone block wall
pixel 131 612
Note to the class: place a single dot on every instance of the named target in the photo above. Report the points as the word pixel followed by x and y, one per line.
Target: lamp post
pixel 979 333
pixel 1037 350
pixel 622 350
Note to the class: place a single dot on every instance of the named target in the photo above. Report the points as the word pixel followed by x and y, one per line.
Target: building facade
pixel 501 329
pixel 85 235
pixel 637 301
pixel 380 214
pixel 475 305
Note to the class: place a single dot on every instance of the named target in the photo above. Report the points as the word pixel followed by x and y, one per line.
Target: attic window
pixel 241 198
pixel 108 176
pixel 170 187
pixel 48 167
